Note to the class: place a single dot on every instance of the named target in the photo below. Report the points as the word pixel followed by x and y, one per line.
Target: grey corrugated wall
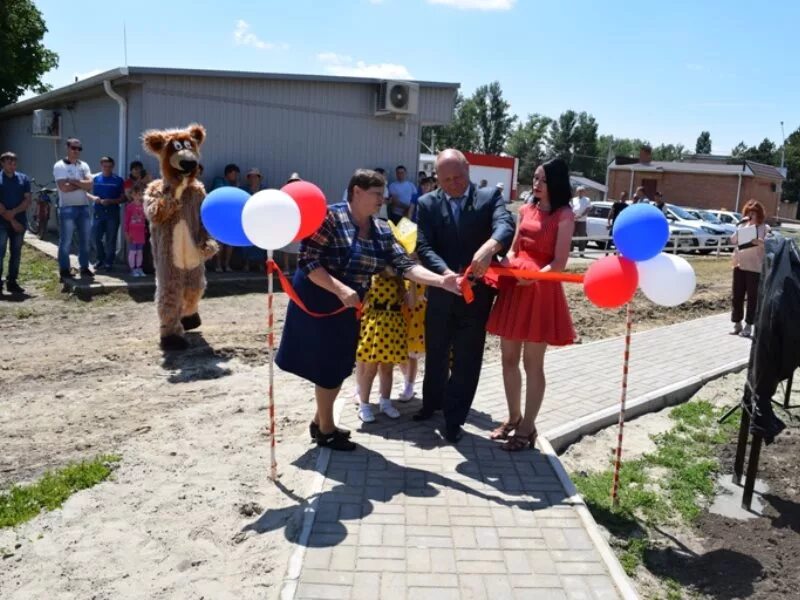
pixel 322 130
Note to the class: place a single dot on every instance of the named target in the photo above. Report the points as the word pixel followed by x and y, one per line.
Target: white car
pixel 597 226
pixel 709 217
pixel 727 216
pixel 706 236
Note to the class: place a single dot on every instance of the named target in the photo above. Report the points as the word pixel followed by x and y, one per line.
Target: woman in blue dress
pixel 335 268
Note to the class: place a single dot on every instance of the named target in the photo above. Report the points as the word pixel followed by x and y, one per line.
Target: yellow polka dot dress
pixel 384 332
pixel 416 324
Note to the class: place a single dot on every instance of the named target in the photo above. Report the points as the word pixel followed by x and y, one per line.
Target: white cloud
pixel 476 4
pixel 87 75
pixel 345 66
pixel 243 36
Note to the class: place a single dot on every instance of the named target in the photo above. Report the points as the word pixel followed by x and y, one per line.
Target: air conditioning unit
pixel 46 124
pixel 397 98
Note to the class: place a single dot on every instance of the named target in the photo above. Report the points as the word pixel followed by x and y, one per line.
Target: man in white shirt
pixel 401 192
pixel 74 180
pixel 581 205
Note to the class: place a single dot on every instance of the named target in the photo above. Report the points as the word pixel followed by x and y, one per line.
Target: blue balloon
pixel 221 213
pixel 640 232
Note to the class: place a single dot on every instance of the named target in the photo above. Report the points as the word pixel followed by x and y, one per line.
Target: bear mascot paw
pixel 180 243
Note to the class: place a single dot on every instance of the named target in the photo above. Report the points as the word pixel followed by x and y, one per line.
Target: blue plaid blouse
pixel 337 248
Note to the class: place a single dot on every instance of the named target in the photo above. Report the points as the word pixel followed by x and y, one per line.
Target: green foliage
pixel 703 145
pixel 573 137
pixel 527 142
pixel 24 57
pixel 766 152
pixel 494 120
pixel 22 503
pixel 669 152
pixel 791 187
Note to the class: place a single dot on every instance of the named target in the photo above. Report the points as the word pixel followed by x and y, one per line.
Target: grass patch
pixel 670 485
pixel 22 503
pixel 40 270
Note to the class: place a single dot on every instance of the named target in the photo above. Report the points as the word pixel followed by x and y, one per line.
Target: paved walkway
pixel 408 516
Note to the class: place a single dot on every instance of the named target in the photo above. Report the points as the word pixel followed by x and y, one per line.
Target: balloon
pixel 312 204
pixel 667 280
pixel 611 281
pixel 221 213
pixel 640 232
pixel 270 219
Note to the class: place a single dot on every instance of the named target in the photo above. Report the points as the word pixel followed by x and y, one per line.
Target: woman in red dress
pixel 530 315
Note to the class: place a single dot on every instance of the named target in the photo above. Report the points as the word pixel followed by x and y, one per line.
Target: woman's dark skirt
pixel 319 349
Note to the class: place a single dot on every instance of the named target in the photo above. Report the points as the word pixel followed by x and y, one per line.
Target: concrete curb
pixel 615 570
pixel 295 566
pixel 566 434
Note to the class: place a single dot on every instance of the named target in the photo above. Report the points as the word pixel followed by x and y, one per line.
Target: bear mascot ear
pixel 197 132
pixel 154 141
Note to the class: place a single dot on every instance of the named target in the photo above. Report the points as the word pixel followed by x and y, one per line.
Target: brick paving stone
pixel 409 516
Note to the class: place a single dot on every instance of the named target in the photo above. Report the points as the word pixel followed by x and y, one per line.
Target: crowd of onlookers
pixel 97 207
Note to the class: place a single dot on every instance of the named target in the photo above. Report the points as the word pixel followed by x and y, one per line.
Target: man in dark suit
pixel 459 225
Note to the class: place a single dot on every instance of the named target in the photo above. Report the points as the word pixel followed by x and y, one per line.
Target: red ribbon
pixel 497 271
pixel 286 285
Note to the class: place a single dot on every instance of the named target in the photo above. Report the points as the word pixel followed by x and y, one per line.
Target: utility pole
pixel 783 147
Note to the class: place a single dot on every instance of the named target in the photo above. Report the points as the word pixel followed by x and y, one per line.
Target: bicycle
pixel 39 209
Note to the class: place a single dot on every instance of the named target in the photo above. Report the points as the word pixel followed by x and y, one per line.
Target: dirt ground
pixel 718 557
pixel 180 519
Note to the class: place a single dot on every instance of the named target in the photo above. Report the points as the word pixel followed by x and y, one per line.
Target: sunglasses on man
pixel 78 148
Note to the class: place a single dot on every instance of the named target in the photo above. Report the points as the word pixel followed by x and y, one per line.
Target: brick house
pixel 712 183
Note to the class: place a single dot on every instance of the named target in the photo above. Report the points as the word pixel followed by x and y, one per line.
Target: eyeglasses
pixel 78 148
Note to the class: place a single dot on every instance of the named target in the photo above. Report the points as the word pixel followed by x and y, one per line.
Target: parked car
pixel 705 235
pixel 727 216
pixel 597 226
pixel 710 217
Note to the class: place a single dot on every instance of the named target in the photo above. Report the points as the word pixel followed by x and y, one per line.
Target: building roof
pixel 748 168
pixel 128 72
pixel 577 180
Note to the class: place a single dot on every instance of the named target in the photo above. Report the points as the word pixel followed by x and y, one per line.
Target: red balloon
pixel 312 204
pixel 611 281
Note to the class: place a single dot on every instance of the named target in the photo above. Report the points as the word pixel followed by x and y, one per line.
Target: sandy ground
pixel 180 518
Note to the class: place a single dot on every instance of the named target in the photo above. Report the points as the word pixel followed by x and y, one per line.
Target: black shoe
pixel 191 322
pixel 313 431
pixel 174 342
pixel 335 441
pixel 65 274
pixel 453 435
pixel 88 273
pixel 13 287
pixel 423 414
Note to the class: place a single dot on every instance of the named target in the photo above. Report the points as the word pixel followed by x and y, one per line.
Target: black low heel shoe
pixel 313 431
pixel 335 441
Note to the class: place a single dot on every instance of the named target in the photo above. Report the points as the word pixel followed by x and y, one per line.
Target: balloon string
pixel 286 285
pixel 498 271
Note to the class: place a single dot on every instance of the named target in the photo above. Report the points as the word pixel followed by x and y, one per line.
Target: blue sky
pixel 661 71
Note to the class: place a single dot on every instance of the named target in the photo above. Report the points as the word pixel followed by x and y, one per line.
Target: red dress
pixel 536 312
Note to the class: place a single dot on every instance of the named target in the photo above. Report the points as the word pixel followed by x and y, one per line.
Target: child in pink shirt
pixel 134 228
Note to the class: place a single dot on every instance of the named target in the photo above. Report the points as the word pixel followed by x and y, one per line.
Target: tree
pixel 791 187
pixel 585 149
pixel 766 152
pixel 573 137
pixel 494 122
pixel 25 59
pixel 703 145
pixel 609 146
pixel 669 152
pixel 526 143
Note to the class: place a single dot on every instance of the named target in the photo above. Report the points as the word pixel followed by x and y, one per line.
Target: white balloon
pixel 271 219
pixel 666 279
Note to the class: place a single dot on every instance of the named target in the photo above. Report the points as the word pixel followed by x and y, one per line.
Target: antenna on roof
pixel 125 43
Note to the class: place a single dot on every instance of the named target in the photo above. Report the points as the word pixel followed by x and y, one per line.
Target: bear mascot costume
pixel 180 243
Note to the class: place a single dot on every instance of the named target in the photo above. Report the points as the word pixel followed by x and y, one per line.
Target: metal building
pixel 322 127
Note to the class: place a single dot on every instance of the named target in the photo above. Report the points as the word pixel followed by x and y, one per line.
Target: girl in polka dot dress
pixel 383 342
pixel 415 327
